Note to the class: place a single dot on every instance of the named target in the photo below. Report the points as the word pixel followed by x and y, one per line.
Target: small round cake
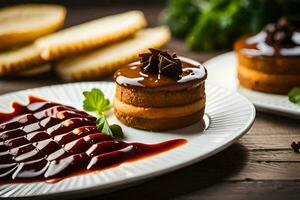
pixel 270 60
pixel 160 92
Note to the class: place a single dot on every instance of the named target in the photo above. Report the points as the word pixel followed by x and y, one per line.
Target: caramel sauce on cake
pixel 278 39
pixel 158 70
pixel 257 46
pixel 134 76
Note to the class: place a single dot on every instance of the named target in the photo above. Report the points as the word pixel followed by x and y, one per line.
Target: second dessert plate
pixel 228 116
pixel 222 71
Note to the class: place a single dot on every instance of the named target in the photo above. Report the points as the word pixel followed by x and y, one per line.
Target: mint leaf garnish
pixel 95 101
pixel 294 95
pixel 103 126
pixel 116 131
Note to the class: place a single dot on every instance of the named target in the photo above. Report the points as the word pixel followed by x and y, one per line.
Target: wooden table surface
pixel 261 165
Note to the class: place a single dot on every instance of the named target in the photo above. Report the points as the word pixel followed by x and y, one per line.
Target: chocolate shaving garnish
pixel 279 33
pixel 145 57
pixel 151 64
pixel 296 147
pixel 161 62
pixel 168 67
pixel 155 51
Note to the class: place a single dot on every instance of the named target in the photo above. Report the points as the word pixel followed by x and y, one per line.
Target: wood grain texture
pixel 261 165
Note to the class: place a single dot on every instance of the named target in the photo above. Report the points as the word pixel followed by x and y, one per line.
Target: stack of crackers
pixel 87 51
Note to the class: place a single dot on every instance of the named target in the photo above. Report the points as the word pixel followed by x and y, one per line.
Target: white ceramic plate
pixel 229 116
pixel 222 71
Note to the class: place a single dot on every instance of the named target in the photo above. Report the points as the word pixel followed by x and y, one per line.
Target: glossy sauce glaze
pixel 46 141
pixel 133 75
pixel 257 46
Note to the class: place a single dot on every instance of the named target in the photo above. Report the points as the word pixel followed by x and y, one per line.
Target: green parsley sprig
pixel 294 95
pixel 95 101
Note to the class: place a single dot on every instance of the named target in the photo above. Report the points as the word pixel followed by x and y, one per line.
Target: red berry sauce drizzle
pixel 47 141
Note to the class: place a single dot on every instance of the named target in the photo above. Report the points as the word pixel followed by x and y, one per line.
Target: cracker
pixel 90 35
pixel 36 70
pixel 106 60
pixel 25 23
pixel 19 59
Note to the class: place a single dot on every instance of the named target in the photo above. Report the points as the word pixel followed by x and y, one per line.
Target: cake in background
pixel 269 61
